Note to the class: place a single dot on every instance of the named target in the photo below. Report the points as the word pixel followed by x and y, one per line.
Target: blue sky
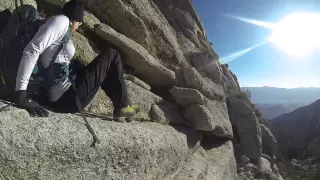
pixel 265 65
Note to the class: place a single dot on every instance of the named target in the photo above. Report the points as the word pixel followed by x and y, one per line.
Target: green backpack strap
pixel 56 72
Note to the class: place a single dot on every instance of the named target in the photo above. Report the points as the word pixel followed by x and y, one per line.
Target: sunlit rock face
pixel 172 73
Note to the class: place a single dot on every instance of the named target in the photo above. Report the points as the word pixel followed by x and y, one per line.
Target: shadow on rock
pixel 210 142
pixel 193 136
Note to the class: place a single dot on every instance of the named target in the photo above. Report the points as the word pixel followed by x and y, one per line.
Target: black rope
pixel 80 109
pixel 83 115
pixel 7 105
pixel 4 108
pixel 107 118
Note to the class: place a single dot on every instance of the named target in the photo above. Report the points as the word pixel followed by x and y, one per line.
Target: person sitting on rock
pixel 105 71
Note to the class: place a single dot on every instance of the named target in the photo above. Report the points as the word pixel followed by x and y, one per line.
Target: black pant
pixel 105 71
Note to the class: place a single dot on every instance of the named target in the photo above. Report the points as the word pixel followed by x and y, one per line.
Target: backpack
pixel 4 17
pixel 22 25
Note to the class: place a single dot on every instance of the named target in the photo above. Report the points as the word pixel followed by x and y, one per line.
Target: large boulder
pixel 205 107
pixel 191 78
pixel 101 104
pixel 225 160
pixel 84 51
pixel 211 118
pixel 184 20
pixel 247 127
pixel 193 19
pixel 269 142
pixel 120 16
pixel 146 66
pixel 166 113
pixel 187 96
pixel 90 20
pixel 142 22
pixel 219 111
pixel 137 81
pixel 214 163
pixel 58 147
pixel 200 117
pixel 6 4
pixel 143 98
pixel 207 65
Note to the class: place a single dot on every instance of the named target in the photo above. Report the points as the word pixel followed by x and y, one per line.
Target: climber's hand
pixel 33 108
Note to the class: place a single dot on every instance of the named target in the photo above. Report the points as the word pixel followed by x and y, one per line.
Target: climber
pixel 104 71
pixel 270 142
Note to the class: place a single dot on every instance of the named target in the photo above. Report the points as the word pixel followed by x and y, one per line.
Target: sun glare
pixel 297 34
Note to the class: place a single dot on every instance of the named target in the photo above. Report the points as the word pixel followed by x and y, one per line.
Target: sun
pixel 297 34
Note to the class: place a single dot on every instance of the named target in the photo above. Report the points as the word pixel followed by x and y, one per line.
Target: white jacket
pixel 42 48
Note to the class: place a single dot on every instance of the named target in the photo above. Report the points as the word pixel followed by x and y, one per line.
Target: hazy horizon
pixel 274 95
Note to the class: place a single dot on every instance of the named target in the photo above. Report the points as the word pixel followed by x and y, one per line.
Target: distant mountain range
pixel 296 130
pixel 273 102
pixel 272 95
pixel 270 111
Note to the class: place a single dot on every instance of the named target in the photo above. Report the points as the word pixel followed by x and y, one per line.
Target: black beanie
pixel 74 10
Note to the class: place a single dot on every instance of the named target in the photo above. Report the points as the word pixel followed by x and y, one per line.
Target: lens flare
pixel 297 34
pixel 264 24
pixel 232 57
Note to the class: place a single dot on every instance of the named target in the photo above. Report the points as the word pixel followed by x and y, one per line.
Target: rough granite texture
pixel 102 105
pixel 8 4
pixel 248 128
pixel 214 164
pixel 137 81
pixel 207 66
pixel 212 118
pixel 165 114
pixel 249 171
pixel 141 21
pixel 187 96
pixel 84 52
pixel 144 63
pixel 58 147
pixel 191 78
pixel 160 41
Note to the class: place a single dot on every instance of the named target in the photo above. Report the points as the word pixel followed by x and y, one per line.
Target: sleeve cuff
pixel 21 86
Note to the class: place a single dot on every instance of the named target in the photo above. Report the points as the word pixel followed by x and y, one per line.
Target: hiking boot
pixel 120 115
